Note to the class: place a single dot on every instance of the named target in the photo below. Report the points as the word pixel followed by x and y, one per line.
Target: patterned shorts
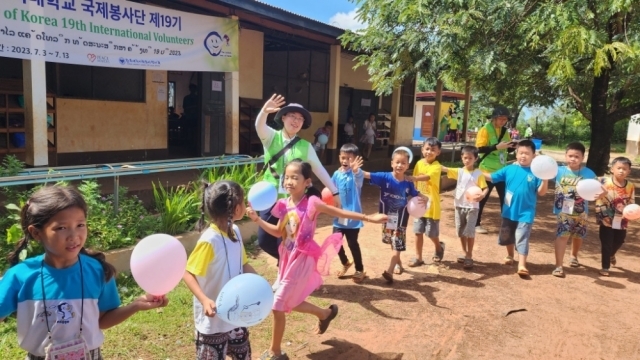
pixel 572 225
pixel 94 354
pixel 397 238
pixel 234 343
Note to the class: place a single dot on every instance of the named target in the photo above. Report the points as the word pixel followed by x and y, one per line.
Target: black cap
pixel 500 110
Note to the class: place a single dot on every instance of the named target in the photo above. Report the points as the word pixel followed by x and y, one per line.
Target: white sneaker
pixel 481 230
pixel 275 285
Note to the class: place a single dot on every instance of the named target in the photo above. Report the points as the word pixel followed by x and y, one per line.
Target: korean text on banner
pixel 117 33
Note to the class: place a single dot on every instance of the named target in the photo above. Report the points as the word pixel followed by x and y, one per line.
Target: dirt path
pixel 443 312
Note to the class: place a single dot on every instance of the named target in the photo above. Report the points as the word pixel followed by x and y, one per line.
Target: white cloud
pixel 347 21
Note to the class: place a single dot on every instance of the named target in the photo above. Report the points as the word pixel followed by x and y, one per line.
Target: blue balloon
pixel 323 139
pixel 262 196
pixel 245 300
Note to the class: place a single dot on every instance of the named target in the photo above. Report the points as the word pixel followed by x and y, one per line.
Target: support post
pixel 467 106
pixel 34 82
pixel 232 109
pixel 436 110
pixel 334 98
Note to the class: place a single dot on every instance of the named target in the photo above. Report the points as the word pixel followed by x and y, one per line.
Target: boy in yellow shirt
pixel 426 175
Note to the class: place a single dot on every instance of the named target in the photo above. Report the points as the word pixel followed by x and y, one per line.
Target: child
pixel 466 212
pixel 67 295
pixel 519 208
pixel 218 256
pixel 302 260
pixel 326 130
pixel 395 191
pixel 427 175
pixel 570 209
pixel 613 226
pixel 348 179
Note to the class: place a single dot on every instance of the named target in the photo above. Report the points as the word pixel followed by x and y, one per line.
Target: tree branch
pixel 624 113
pixel 579 104
pixel 618 96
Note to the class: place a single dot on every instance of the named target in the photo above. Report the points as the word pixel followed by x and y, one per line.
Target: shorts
pixel 572 225
pixel 397 238
pixel 234 343
pixel 465 219
pixel 94 354
pixel 515 232
pixel 427 226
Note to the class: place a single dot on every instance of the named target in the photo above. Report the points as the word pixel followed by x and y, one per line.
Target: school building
pixel 101 114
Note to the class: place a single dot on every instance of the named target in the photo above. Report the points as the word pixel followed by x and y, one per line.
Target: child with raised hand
pixel 570 209
pixel 619 192
pixel 466 211
pixel 302 260
pixel 519 209
pixel 65 297
pixel 218 256
pixel 348 179
pixel 426 175
pixel 395 192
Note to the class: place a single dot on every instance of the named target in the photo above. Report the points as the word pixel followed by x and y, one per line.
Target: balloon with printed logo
pixel 157 263
pixel 589 189
pixel 327 197
pixel 417 207
pixel 544 167
pixel 323 139
pixel 631 212
pixel 245 300
pixel 472 193
pixel 262 196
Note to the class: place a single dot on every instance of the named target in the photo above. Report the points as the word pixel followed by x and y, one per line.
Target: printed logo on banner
pixel 137 62
pixel 91 57
pixel 214 44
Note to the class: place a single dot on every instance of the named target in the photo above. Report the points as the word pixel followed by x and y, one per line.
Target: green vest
pixel 299 150
pixel 491 162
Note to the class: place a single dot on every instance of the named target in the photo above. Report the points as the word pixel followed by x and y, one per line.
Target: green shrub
pixel 178 207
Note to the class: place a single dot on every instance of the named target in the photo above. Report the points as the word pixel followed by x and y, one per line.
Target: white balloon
pixel 245 300
pixel 544 167
pixel 589 189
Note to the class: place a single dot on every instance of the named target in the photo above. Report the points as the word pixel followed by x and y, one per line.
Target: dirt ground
pixel 444 312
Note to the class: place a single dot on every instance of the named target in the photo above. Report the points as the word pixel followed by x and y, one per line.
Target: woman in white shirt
pixel 349 127
pixel 369 137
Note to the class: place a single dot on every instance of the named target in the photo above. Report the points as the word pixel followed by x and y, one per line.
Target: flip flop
pixel 558 272
pixel 387 277
pixel 573 262
pixel 612 260
pixel 468 264
pixel 438 255
pixel 398 270
pixel 460 259
pixel 523 272
pixel 508 260
pixel 323 325
pixel 604 272
pixel 415 262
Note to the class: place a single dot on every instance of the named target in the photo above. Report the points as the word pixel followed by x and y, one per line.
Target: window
pixel 407 97
pixel 101 83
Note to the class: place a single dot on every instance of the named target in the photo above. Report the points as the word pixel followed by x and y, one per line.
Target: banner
pixel 117 33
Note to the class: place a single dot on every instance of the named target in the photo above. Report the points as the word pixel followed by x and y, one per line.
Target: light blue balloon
pixel 262 196
pixel 323 139
pixel 245 300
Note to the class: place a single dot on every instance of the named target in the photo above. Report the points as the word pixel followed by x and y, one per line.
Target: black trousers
pixel 611 241
pixel 500 187
pixel 354 246
pixel 267 242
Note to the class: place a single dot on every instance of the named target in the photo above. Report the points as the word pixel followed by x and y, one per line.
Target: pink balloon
pixel 158 263
pixel 631 211
pixel 416 209
pixel 472 192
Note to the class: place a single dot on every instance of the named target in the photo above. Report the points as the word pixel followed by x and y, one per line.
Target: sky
pixel 339 13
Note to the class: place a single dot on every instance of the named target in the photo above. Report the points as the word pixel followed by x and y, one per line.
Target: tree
pixel 520 53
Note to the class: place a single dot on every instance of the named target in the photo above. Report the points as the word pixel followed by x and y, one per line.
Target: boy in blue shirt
pixel 395 192
pixel 348 180
pixel 519 208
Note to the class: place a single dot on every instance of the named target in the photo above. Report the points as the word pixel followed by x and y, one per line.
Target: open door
pixel 212 139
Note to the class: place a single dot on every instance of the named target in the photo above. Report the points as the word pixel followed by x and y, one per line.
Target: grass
pixel 616 148
pixel 168 333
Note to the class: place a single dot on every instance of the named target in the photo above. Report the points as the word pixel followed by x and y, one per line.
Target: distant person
pixel 349 128
pixel 528 132
pixel 453 127
pixel 369 137
pixel 172 114
pixel 326 130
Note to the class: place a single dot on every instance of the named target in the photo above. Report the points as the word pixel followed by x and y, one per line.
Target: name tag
pixel 392 221
pixel 507 198
pixel 617 222
pixel 567 206
pixel 343 221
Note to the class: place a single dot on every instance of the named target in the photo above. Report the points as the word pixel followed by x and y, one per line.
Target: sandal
pixel 438 255
pixel 612 260
pixel 508 260
pixel 340 273
pixel 468 263
pixel 604 272
pixel 387 277
pixel 323 325
pixel 573 262
pixel 415 262
pixel 523 272
pixel 558 272
pixel 398 270
pixel 461 259
pixel 266 355
pixel 358 277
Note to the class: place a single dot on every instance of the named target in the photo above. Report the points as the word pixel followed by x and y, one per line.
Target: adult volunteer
pixel 280 147
pixel 494 143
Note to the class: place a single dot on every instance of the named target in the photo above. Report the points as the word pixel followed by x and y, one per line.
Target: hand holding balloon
pixel 544 167
pixel 148 302
pixel 474 194
pixel 252 214
pixel 631 212
pixel 157 263
pixel 323 139
pixel 262 195
pixel 209 307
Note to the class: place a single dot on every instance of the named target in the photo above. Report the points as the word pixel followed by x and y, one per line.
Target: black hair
pixel 219 201
pixel 526 143
pixel 401 152
pixel 349 148
pixel 371 114
pixel 432 141
pixel 469 149
pixel 621 159
pixel 328 123
pixel 43 205
pixel 576 145
pixel 307 172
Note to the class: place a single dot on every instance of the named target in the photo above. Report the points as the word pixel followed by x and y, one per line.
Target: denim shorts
pixel 515 232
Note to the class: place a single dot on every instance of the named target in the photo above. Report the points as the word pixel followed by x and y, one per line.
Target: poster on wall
pixel 117 33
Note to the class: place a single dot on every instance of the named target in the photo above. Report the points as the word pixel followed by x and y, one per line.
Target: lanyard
pixel 226 252
pixel 44 300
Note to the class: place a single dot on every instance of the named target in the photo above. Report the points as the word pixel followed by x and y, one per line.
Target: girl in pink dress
pixel 302 261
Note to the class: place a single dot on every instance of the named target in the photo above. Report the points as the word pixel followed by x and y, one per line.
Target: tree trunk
pixel 601 127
